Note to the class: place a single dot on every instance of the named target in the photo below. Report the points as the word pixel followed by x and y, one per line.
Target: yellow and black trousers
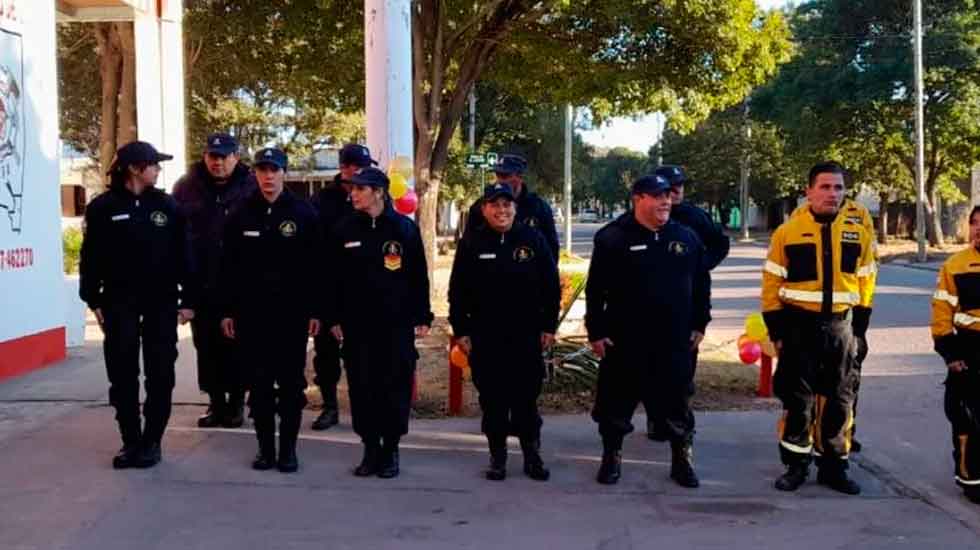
pixel 962 405
pixel 815 380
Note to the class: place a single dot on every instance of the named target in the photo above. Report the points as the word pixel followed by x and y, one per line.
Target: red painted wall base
pixel 22 355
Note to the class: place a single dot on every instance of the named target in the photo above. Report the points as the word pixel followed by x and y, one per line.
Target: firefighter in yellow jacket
pixel 816 300
pixel 956 333
pixel 857 213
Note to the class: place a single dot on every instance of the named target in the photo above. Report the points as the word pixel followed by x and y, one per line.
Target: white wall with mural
pixel 31 281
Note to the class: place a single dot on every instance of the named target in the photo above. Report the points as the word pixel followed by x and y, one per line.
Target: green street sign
pixel 491 159
pixel 476 160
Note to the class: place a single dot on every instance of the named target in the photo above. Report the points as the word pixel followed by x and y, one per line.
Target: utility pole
pixel 473 118
pixel 744 174
pixel 569 121
pixel 920 162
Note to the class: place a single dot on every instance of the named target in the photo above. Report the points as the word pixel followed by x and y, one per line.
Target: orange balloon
pixel 459 358
pixel 743 339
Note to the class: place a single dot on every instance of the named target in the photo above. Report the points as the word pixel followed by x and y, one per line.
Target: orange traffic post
pixel 765 377
pixel 455 384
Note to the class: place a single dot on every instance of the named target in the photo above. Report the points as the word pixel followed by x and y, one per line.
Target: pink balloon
pixel 750 352
pixel 408 203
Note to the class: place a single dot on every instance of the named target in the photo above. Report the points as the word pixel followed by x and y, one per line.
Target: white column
pixel 160 112
pixel 388 60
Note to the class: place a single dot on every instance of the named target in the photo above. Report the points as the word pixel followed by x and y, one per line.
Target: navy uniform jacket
pixel 715 241
pixel 270 259
pixel 532 211
pixel 502 283
pixel 379 278
pixel 206 206
pixel 136 251
pixel 647 286
pixel 332 203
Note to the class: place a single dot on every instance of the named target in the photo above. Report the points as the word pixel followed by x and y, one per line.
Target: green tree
pixel 850 89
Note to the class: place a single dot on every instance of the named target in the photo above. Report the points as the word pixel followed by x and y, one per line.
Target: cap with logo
pixel 357 155
pixel 221 144
pixel 136 152
pixel 675 175
pixel 371 177
pixel 651 184
pixel 271 156
pixel 495 190
pixel 510 164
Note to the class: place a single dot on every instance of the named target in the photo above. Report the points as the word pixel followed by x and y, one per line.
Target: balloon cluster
pixel 755 341
pixel 400 172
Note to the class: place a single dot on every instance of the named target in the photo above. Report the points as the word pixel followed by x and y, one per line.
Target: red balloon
pixel 408 203
pixel 750 352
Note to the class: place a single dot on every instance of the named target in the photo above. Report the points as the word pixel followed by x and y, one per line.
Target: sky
pixel 640 133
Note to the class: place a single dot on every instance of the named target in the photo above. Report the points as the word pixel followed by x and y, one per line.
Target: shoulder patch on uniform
pixel 851 235
pixel 531 221
pixel 523 254
pixel 287 228
pixel 677 248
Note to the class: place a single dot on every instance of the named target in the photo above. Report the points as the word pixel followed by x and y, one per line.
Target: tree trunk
pixel 882 218
pixel 127 85
pixel 110 69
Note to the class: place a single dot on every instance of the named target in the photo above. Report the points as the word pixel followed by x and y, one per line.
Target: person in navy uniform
pixel 269 264
pixel 647 306
pixel 532 210
pixel 136 276
pixel 213 187
pixel 378 304
pixel 504 299
pixel 716 245
pixel 333 203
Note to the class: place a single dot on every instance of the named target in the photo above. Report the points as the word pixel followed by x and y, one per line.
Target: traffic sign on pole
pixel 491 159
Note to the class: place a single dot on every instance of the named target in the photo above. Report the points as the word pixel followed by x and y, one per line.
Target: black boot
pixel 682 463
pixel 388 466
pixel 833 474
pixel 795 476
pixel 330 416
pixel 150 454
pixel 212 418
pixel 234 414
pixel 129 455
pixel 369 462
pixel 533 465
pixel 611 468
pixel 265 432
pixel 288 434
pixel 266 457
pixel 498 458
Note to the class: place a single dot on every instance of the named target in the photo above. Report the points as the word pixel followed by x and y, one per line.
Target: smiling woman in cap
pixel 503 306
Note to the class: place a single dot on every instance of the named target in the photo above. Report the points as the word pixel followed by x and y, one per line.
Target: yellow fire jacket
pixel 956 303
pixel 826 268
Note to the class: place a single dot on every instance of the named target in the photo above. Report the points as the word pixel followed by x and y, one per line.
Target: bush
pixel 71 242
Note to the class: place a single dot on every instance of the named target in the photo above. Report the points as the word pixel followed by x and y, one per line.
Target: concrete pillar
pixel 388 60
pixel 160 84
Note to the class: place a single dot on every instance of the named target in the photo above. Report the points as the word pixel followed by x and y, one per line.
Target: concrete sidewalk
pixel 58 491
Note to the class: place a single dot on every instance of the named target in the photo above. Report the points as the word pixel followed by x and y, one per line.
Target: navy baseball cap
pixel 356 154
pixel 273 156
pixel 135 152
pixel 221 144
pixel 675 175
pixel 371 177
pixel 495 190
pixel 510 164
pixel 651 185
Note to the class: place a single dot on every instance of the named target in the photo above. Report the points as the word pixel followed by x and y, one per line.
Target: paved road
pixel 57 491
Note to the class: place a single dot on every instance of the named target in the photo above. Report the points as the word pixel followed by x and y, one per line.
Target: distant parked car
pixel 588 216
